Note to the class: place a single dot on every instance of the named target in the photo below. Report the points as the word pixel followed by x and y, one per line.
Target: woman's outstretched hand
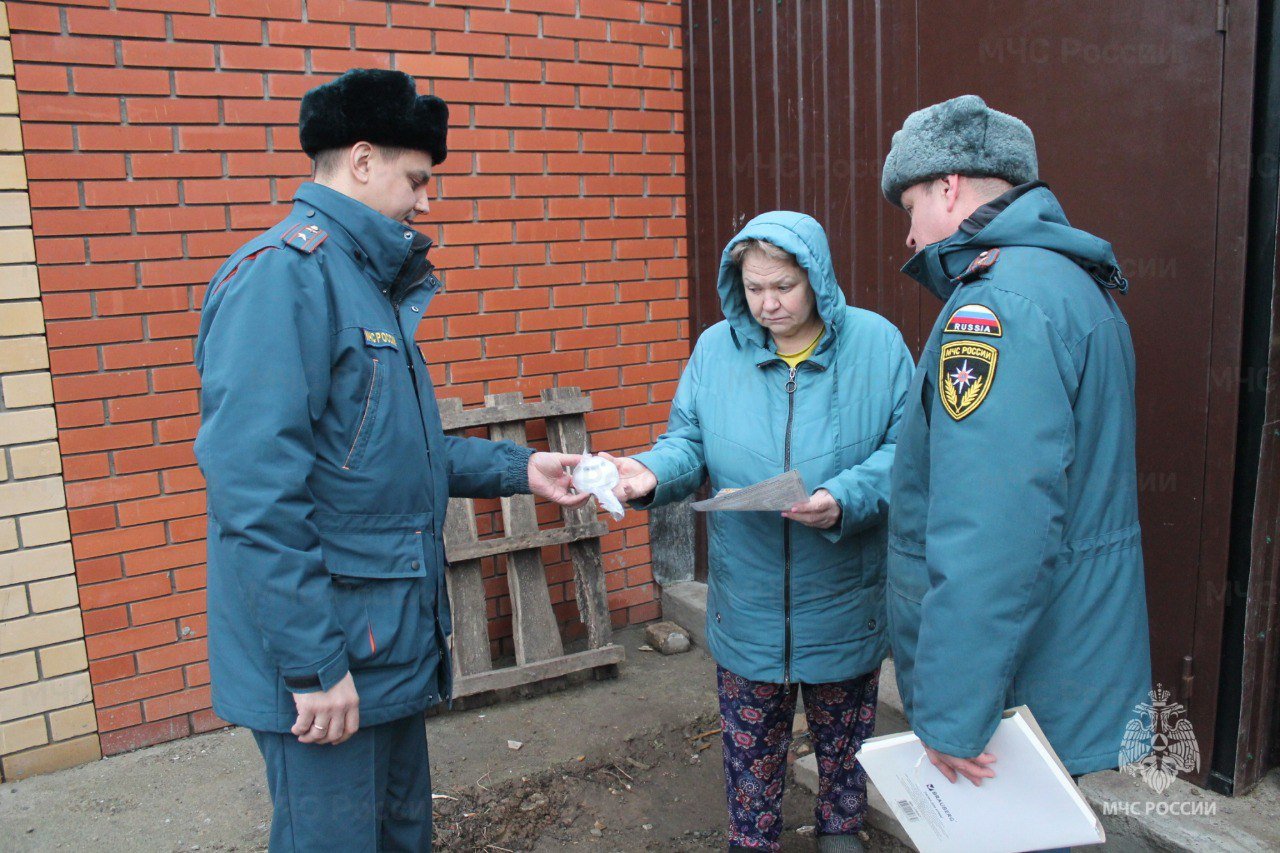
pixel 634 479
pixel 820 511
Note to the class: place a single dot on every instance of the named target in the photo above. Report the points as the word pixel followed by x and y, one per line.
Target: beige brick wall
pixel 47 719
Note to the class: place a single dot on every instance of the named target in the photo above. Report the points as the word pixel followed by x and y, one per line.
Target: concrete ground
pixel 617 765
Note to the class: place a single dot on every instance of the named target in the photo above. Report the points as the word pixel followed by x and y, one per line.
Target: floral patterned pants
pixel 757 717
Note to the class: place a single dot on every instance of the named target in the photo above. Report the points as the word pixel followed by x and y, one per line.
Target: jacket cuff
pixel 322 677
pixel 847 523
pixel 955 750
pixel 669 481
pixel 515 479
pixel 645 502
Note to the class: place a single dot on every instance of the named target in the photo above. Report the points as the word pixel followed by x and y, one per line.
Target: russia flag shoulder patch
pixel 974 319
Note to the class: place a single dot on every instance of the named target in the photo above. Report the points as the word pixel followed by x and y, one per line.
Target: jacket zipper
pixel 786 536
pixel 408 360
pixel 364 416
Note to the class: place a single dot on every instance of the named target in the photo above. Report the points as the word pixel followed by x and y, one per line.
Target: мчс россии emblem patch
pixel 966 371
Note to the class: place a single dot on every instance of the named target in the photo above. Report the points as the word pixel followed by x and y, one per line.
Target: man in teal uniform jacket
pixel 1015 567
pixel 329 476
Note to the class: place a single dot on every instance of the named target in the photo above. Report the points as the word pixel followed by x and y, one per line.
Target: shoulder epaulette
pixel 980 265
pixel 218 285
pixel 305 238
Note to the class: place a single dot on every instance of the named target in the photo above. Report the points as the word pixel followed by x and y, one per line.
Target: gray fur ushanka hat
pixel 962 136
pixel 373 105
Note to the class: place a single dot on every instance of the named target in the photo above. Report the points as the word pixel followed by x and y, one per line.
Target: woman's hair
pixel 751 244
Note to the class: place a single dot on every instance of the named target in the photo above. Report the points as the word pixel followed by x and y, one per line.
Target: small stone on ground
pixel 668 638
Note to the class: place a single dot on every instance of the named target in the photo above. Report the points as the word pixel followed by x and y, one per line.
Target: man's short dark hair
pixel 326 162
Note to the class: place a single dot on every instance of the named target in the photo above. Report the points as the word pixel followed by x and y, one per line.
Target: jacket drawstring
pixel 1114 281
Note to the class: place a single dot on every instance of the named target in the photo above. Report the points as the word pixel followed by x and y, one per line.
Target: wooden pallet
pixel 540 651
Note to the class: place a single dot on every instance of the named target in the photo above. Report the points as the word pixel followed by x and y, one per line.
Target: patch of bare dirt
pixel 660 791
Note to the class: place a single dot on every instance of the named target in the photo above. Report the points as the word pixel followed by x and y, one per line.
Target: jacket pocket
pixel 382 620
pixel 383 592
pixel 908 572
pixel 848 620
pixel 377 546
pixel 368 417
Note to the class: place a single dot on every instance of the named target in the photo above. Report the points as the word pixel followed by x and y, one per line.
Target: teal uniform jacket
pixel 1015 564
pixel 328 472
pixel 786 602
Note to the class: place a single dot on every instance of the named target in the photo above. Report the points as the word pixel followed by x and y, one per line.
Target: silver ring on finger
pixel 320 727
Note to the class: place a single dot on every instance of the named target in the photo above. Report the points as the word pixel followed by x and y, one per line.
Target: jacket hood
pixel 802 236
pixel 1034 218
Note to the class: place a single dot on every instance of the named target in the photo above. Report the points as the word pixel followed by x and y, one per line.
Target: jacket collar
pixel 378 241
pixel 766 351
pixel 1029 216
pixel 936 265
pixel 982 217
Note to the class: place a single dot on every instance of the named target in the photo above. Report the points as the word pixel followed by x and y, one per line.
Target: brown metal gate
pixel 1142 113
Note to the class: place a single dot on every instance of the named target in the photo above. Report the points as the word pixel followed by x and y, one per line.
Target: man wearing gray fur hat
pixel 1015 568
pixel 329 476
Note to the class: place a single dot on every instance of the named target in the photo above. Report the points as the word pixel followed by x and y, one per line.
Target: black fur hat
pixel 373 105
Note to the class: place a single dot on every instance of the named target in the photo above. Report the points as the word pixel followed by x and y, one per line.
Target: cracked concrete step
pixel 685 604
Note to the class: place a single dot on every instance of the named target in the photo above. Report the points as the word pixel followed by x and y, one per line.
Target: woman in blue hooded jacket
pixel 792 379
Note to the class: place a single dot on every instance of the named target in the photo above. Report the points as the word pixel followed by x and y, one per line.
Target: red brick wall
pixel 159 137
